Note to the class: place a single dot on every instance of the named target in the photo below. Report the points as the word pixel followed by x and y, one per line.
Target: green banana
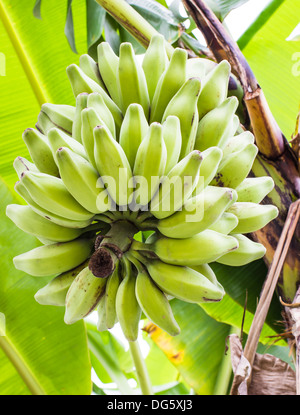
pixel 234 168
pixel 154 303
pixel 21 164
pixel 235 127
pixel 54 293
pixel 177 186
pixel 225 224
pixel 96 101
pixel 108 63
pixel 81 103
pixel 112 286
pixel 31 222
pixel 214 88
pixel 101 314
pixel 112 163
pixel 208 272
pixel 131 80
pixel 54 258
pixel 89 120
pixel 184 106
pixel 173 140
pixel 247 251
pixel 211 159
pixel 254 189
pixel 90 68
pixel 51 194
pixel 58 139
pixel 44 124
pixel 252 216
pixel 134 128
pixel 199 67
pixel 58 220
pixel 182 282
pixel 60 115
pixel 81 180
pixel 214 127
pixel 198 213
pixel 204 247
pixel 238 142
pixel 169 83
pixel 154 63
pixel 40 152
pixel 83 296
pixel 127 307
pixel 146 172
pixel 82 83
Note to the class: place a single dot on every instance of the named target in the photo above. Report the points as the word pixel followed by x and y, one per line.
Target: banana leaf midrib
pixel 24 59
pixel 22 367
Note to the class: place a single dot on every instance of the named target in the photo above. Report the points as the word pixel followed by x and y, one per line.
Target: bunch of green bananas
pixel 137 188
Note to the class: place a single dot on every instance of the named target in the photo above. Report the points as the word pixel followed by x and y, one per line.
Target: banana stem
pixel 132 21
pixel 141 369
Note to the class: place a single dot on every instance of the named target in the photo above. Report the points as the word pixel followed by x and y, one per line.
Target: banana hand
pixel 182 282
pixel 205 247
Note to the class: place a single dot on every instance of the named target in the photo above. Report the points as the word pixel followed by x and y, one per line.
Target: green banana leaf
pixel 39 353
pixel 112 363
pixel 197 352
pixel 243 286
